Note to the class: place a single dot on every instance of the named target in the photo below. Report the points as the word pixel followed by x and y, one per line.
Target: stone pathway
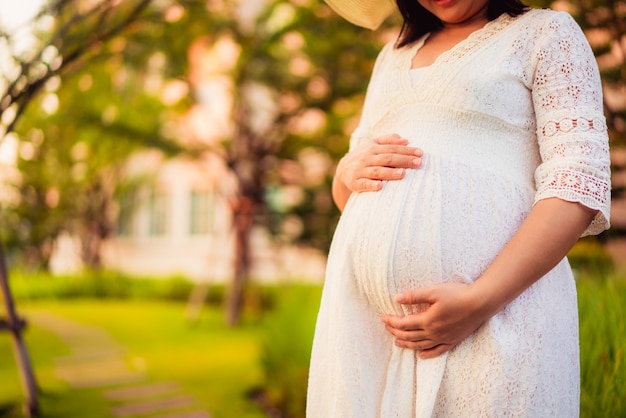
pixel 98 361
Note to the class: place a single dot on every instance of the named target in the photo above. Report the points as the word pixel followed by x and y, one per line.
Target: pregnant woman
pixel 481 157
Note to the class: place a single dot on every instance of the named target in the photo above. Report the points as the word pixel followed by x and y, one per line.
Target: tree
pixel 307 63
pixel 310 69
pixel 72 162
pixel 70 34
pixel 79 30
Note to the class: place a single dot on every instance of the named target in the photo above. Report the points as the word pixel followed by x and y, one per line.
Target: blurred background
pixel 165 171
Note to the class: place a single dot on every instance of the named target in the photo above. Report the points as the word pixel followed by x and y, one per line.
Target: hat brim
pixel 365 13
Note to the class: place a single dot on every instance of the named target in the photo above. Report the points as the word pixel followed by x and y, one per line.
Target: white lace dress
pixel 509 116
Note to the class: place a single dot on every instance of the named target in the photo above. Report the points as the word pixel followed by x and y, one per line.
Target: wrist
pixel 339 190
pixel 486 301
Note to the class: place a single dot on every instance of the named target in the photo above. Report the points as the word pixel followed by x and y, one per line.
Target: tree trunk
pixel 243 213
pixel 95 225
pixel 91 243
pixel 15 326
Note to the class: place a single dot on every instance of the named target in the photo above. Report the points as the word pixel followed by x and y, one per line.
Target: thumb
pixel 414 297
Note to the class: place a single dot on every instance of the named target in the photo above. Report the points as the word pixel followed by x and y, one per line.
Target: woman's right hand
pixel 365 168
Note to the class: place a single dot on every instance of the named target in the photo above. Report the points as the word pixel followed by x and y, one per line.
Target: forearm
pixel 455 309
pixel 544 238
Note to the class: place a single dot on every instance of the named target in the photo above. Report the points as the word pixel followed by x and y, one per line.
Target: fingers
pixel 371 183
pixel 368 185
pixel 415 339
pixel 422 345
pixel 435 351
pixel 392 139
pixel 371 178
pixel 394 144
pixel 415 297
pixel 396 157
pixel 403 323
pixel 397 149
pixel 385 173
pixel 406 335
pixel 388 158
pixel 412 336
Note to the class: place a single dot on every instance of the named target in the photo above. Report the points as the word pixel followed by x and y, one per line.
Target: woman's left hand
pixel 452 314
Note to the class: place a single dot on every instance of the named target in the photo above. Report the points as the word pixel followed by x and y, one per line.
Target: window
pixel 158 214
pixel 126 214
pixel 201 220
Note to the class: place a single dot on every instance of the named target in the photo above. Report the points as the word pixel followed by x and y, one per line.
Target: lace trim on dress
pixel 580 124
pixel 576 183
pixel 571 129
pixel 476 40
pixel 454 57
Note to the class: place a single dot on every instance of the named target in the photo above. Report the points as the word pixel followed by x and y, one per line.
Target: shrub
pixel 603 347
pixel 287 336
pixel 591 259
pixel 96 284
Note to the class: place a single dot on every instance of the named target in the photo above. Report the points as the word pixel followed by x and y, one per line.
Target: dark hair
pixel 419 21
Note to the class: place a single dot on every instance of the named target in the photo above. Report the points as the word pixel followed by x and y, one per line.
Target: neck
pixel 475 22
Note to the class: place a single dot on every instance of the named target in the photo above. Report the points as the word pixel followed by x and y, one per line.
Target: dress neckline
pixel 460 52
pixel 414 48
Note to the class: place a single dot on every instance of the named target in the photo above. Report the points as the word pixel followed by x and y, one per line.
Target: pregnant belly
pixel 441 223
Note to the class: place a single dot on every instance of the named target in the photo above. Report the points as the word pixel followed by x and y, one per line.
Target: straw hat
pixel 366 13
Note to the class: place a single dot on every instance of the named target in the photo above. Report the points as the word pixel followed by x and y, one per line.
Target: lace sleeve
pixel 571 127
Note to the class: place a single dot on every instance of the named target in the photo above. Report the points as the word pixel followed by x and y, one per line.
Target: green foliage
pixel 72 162
pixel 96 284
pixel 213 363
pixel 286 338
pixel 74 170
pixel 589 258
pixel 341 56
pixel 602 341
pixel 603 347
pixel 269 358
pixel 55 399
pixel 77 134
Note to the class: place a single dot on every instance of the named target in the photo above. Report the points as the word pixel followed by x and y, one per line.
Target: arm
pixel 456 310
pixel 573 144
pixel 365 168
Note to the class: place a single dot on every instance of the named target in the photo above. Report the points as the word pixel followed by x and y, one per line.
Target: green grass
pixel 98 285
pixel 287 337
pixel 602 307
pixel 216 364
pixel 42 347
pixel 54 398
pixel 220 365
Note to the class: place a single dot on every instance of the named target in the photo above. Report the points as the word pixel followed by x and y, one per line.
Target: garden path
pixel 96 360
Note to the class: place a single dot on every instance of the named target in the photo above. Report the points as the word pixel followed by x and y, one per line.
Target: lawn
pixel 602 312
pixel 220 366
pixel 215 364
